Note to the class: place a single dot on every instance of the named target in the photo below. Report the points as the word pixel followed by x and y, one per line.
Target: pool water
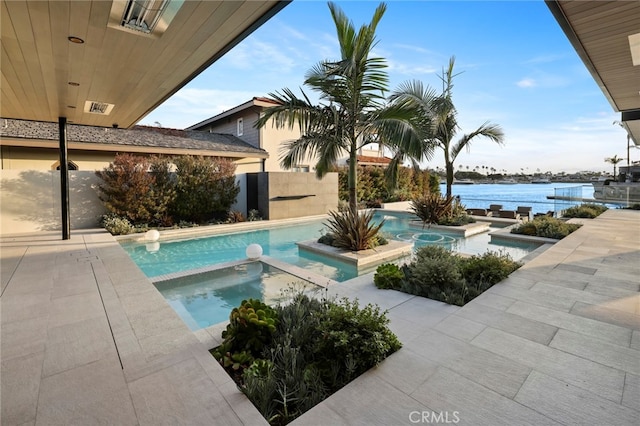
pixel 280 243
pixel 207 298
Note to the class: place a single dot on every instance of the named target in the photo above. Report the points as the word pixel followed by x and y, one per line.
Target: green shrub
pixel 353 339
pixel 316 348
pixel 588 211
pixel 205 188
pixel 430 277
pixel 116 225
pixel 388 276
pixel 547 227
pixel 441 275
pixel 128 190
pixel 353 230
pixel 488 268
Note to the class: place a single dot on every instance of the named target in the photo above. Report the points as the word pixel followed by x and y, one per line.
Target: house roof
pixel 254 102
pixel 377 161
pixel 143 139
pixel 59 55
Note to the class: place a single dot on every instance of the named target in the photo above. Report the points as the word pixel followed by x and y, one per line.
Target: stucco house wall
pixel 283 195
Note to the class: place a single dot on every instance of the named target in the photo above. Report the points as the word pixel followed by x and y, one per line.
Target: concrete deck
pixel 86 339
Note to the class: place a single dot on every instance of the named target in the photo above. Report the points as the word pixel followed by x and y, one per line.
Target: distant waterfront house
pixel 34 145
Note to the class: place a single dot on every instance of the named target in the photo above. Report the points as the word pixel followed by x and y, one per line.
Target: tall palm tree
pixel 440 119
pixel 351 113
pixel 614 160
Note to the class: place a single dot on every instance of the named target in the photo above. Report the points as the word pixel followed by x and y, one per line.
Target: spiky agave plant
pixel 352 230
pixel 432 208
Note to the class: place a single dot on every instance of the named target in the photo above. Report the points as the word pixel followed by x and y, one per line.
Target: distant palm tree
pixel 351 114
pixel 614 160
pixel 438 120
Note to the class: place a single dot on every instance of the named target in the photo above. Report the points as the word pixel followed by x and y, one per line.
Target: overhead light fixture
pixel 144 16
pixel 76 40
pixel 94 107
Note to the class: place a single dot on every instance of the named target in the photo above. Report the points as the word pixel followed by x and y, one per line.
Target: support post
pixel 64 179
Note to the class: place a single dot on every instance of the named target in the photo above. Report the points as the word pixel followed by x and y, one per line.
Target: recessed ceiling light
pixel 73 83
pixel 74 39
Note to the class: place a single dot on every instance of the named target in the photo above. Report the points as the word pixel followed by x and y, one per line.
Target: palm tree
pixel 614 160
pixel 351 113
pixel 439 120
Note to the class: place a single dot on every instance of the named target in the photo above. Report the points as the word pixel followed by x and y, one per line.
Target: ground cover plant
pixel 288 358
pixel 439 274
pixel 547 227
pixel 586 210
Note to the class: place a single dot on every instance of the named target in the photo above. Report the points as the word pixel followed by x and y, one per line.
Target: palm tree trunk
pixel 353 179
pixel 449 170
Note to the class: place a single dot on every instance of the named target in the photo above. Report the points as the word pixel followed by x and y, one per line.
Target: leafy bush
pixel 129 191
pixel 353 230
pixel 353 339
pixel 488 268
pixel 373 187
pixel 116 225
pixel 316 348
pixel 441 275
pixel 205 188
pixel 547 227
pixel 388 276
pixel 588 211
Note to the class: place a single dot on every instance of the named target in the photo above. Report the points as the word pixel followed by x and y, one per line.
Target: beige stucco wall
pixel 283 195
pixel 30 200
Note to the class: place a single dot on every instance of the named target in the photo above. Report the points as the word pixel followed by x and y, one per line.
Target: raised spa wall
pixel 284 195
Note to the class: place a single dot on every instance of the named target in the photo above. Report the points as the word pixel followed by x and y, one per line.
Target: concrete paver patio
pixel 86 339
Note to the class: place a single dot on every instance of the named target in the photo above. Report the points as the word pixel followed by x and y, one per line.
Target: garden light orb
pixel 152 235
pixel 254 251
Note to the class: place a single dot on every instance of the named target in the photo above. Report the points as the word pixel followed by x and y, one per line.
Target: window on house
pixel 240 125
pixel 303 169
pixel 71 165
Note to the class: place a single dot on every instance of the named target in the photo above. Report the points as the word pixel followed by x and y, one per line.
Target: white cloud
pixel 526 83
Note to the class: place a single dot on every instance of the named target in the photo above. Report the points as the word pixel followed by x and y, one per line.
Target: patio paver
pixel 86 339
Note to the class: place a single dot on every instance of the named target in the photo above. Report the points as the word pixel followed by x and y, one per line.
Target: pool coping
pixel 364 258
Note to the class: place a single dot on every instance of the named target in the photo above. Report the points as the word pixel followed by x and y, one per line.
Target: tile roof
pixel 140 136
pixel 373 160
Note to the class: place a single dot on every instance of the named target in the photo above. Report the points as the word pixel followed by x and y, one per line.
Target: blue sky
pixel 517 69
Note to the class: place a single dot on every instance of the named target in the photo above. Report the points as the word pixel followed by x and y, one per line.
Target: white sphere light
pixel 254 251
pixel 152 235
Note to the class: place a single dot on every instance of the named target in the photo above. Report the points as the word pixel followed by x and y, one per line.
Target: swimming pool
pixel 207 298
pixel 279 243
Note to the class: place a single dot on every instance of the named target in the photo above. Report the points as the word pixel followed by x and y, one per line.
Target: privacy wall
pixel 30 200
